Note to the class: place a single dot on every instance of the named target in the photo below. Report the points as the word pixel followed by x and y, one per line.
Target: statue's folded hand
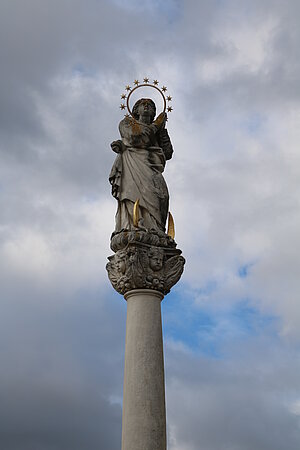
pixel 161 120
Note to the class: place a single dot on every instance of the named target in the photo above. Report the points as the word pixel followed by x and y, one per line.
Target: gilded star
pixel 136 82
pixel 122 106
pixel 155 82
pixel 169 98
pixel 128 88
pixel 126 115
pixel 169 109
pixel 146 80
pixel 164 88
pixel 123 96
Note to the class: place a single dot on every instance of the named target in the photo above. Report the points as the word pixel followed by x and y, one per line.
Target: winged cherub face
pixel 156 260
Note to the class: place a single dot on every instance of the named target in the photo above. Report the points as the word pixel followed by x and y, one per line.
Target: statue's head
pixel 144 107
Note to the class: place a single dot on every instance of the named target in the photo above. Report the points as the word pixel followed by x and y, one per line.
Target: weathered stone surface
pixel 139 265
pixel 119 240
pixel 142 153
pixel 146 257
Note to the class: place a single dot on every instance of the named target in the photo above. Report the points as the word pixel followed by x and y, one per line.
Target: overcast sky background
pixel 232 325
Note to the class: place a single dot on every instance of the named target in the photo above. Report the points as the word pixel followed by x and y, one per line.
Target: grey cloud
pixel 243 403
pixel 61 367
pixel 46 417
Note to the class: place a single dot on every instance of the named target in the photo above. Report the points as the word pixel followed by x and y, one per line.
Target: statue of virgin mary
pixel 143 150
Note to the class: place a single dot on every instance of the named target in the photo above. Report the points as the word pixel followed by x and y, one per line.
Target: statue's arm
pixel 117 146
pixel 163 136
pixel 165 143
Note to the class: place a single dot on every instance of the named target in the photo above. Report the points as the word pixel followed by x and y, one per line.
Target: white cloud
pixel 246 47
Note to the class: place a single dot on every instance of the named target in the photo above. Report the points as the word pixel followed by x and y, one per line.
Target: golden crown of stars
pixel 146 82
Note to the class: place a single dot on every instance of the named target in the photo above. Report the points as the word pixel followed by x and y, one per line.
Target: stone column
pixel 144 416
pixel 144 268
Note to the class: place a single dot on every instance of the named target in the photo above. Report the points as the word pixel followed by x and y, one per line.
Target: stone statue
pixel 145 255
pixel 137 171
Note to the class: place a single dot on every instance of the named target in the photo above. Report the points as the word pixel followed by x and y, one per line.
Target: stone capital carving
pixel 140 265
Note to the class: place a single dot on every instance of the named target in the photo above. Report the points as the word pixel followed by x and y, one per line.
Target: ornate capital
pixel 140 265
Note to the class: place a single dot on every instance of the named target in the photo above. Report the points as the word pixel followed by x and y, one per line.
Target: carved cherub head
pixel 120 261
pixel 144 108
pixel 156 256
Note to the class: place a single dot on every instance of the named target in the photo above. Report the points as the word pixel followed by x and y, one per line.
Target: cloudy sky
pixel 232 325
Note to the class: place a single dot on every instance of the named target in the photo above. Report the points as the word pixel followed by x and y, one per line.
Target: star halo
pixel 146 83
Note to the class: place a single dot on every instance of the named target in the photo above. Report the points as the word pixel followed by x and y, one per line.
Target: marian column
pixel 146 264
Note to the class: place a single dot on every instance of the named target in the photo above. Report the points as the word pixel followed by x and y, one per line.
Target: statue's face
pixel 145 109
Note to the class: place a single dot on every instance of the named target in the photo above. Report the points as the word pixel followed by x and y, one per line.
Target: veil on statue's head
pixel 137 104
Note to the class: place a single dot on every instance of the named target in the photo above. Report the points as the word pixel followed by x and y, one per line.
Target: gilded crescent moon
pixel 171 226
pixel 136 213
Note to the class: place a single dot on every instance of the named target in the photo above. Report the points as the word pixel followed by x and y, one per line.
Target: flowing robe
pixel 137 174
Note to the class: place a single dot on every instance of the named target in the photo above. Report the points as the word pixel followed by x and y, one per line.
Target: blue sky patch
pixel 205 329
pixel 254 123
pixel 243 270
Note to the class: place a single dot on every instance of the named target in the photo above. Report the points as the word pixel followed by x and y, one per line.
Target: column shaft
pixel 144 414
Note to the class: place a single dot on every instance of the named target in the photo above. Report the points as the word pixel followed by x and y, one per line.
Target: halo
pixel 143 85
pixel 146 83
